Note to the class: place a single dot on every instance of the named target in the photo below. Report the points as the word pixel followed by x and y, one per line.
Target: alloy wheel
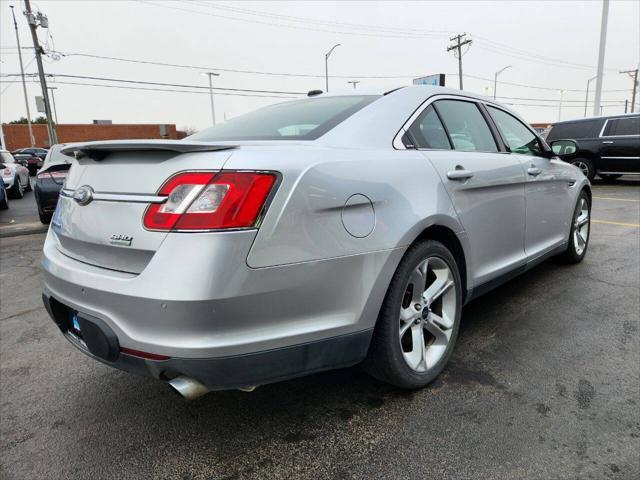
pixel 581 226
pixel 583 167
pixel 427 314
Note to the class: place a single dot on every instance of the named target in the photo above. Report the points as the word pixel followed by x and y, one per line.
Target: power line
pixel 128 87
pixel 141 82
pixel 372 30
pixel 297 27
pixel 290 74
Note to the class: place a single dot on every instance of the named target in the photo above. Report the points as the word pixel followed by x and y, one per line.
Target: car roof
pixel 599 117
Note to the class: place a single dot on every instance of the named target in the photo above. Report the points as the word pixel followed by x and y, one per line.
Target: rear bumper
pixel 233 371
pixel 200 304
pixel 47 193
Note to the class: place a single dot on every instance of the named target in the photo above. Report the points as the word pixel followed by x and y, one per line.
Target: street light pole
pixel 213 111
pixel 326 66
pixel 24 85
pixel 586 98
pixel 354 83
pixel 601 49
pixel 495 80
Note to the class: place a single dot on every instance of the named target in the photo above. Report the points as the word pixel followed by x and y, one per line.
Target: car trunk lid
pixel 119 180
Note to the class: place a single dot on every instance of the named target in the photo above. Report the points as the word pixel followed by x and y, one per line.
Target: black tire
pixel 45 217
pixel 586 166
pixel 573 254
pixel 609 176
pixel 16 190
pixel 29 187
pixel 385 359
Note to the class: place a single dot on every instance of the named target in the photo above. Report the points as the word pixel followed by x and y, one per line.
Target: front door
pixel 547 194
pixel 485 185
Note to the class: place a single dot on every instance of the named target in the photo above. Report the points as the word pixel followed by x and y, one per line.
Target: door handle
pixel 607 141
pixel 459 173
pixel 534 171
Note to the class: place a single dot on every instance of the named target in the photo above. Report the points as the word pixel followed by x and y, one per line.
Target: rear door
pixel 123 183
pixel 485 185
pixel 620 145
pixel 547 195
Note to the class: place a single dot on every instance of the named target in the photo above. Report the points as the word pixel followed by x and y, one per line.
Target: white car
pixel 14 175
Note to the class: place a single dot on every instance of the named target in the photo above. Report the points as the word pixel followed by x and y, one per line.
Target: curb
pixel 18 229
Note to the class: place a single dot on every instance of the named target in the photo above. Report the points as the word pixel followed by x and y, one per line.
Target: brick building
pixel 17 135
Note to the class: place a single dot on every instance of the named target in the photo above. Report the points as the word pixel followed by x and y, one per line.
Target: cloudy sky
pixel 264 47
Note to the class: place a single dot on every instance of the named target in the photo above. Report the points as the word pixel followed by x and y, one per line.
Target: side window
pixel 467 128
pixel 519 138
pixel 623 126
pixel 427 131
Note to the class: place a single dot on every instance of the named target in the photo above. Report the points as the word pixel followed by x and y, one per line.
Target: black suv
pixel 607 146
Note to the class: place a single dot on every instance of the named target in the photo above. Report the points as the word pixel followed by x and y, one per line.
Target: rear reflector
pixel 141 354
pixel 210 201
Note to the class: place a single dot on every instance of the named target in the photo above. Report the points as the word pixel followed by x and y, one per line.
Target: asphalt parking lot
pixel 544 384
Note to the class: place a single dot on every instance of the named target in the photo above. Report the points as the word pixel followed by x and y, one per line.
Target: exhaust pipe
pixel 188 387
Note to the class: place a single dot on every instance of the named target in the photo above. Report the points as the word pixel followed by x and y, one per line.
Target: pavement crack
pixel 23 312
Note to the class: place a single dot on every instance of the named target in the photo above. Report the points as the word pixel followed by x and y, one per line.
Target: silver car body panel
pixel 347 207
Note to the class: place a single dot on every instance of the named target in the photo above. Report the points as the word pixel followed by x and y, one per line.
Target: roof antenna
pixel 313 93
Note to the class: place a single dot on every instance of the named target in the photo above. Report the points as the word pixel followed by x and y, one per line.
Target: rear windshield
pixel 581 129
pixel 305 119
pixel 54 157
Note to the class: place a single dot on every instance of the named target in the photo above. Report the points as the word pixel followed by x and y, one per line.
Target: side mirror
pixel 564 148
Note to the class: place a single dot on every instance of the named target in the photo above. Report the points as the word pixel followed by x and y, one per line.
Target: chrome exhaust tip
pixel 188 387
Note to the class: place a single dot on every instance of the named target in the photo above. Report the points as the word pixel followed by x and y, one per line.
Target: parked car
pixel 49 182
pixel 41 153
pixel 32 162
pixel 607 146
pixel 4 199
pixel 305 236
pixel 15 176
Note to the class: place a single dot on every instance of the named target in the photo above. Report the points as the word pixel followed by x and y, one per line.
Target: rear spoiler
pixel 99 150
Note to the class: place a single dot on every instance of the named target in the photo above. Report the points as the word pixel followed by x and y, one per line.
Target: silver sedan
pixel 305 236
pixel 15 176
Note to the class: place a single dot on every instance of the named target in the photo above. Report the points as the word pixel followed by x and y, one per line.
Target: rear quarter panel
pixel 305 219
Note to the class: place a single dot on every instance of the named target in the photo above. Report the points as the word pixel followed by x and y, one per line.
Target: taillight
pixel 57 176
pixel 210 201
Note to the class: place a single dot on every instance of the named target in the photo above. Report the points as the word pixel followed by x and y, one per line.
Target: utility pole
pixel 34 21
pixel 24 84
pixel 326 66
pixel 495 80
pixel 560 105
pixel 603 42
pixel 634 75
pixel 213 111
pixel 586 98
pixel 354 83
pixel 460 42
pixel 53 100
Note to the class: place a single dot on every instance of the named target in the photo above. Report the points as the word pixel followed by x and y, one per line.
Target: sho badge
pixel 124 240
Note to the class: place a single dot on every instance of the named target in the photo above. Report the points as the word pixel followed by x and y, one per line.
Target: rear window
pixel 6 157
pixel 576 130
pixel 305 119
pixel 54 157
pixel 623 126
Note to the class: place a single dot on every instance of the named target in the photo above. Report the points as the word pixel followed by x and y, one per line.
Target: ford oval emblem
pixel 83 195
